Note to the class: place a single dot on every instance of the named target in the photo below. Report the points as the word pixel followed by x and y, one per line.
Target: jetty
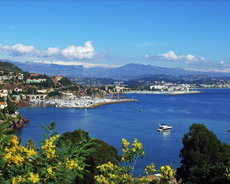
pixel 184 92
pixel 111 102
pixel 86 103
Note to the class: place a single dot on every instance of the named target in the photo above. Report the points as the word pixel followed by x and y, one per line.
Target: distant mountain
pixel 129 71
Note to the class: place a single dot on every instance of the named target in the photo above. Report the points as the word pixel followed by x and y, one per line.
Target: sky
pixel 194 35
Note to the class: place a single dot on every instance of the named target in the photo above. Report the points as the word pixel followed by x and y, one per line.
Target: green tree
pixel 30 144
pixel 102 154
pixel 26 75
pixel 11 106
pixel 65 81
pixel 55 93
pixel 201 150
pixel 31 91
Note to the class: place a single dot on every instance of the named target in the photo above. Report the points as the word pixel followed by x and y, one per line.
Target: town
pixel 24 88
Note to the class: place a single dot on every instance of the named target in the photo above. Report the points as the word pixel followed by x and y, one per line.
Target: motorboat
pixel 164 127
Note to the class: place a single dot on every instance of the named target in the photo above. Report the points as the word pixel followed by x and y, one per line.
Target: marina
pixel 82 103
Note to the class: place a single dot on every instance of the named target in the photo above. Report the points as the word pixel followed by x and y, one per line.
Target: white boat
pixel 164 127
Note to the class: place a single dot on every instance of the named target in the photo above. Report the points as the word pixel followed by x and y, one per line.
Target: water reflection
pixel 165 134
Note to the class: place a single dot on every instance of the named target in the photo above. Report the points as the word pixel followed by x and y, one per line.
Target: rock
pixel 25 120
pixel 18 123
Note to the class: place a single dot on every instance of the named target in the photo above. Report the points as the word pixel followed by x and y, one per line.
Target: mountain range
pixel 129 71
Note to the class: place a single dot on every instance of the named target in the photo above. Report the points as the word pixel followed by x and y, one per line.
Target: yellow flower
pixel 20 179
pixel 34 177
pixel 71 164
pixel 13 180
pixel 30 152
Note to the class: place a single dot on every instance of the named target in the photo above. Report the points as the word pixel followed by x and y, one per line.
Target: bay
pixel 113 122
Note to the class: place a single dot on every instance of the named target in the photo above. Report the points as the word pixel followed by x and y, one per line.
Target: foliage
pixel 5 66
pixel 2 99
pixel 55 93
pixel 31 91
pixel 65 81
pixel 47 164
pixel 102 153
pixel 26 75
pixel 202 150
pixel 123 174
pixel 30 144
pixel 167 173
pixel 19 116
pixel 72 88
pixel 11 106
pixel 46 84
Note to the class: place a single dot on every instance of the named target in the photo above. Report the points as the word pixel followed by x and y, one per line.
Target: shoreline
pixel 100 104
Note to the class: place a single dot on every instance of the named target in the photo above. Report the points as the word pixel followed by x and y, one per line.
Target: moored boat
pixel 164 127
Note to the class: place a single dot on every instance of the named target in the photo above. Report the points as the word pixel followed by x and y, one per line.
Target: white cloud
pixel 222 62
pixel 168 56
pixel 52 51
pixel 73 52
pixel 226 70
pixel 171 56
pixel 73 63
pixel 17 50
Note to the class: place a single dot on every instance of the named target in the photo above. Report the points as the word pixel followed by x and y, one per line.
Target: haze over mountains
pixel 129 71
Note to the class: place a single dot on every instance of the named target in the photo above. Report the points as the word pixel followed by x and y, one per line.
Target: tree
pixel 55 93
pixel 47 164
pixel 31 91
pixel 102 154
pixel 26 75
pixel 201 149
pixel 65 81
pixel 12 107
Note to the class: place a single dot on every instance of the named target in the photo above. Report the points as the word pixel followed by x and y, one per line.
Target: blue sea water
pixel 113 122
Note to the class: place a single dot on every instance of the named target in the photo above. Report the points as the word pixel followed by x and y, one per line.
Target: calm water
pixel 113 122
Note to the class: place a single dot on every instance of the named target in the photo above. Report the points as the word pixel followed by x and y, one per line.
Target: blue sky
pixel 184 34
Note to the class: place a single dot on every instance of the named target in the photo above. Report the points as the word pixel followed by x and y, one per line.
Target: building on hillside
pixel 35 80
pixel 33 75
pixel 69 96
pixel 5 77
pixel 17 97
pixel 42 90
pixel 118 89
pixel 57 78
pixel 20 76
pixel 17 89
pixel 4 90
pixel 3 105
pixel 3 94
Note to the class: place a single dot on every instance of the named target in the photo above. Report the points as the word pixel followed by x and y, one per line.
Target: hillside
pixel 5 66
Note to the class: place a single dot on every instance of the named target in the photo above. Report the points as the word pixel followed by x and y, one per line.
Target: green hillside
pixel 5 66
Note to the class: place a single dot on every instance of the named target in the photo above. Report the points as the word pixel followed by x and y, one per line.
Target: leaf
pixel 47 130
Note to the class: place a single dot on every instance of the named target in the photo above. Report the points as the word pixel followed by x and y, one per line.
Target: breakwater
pixel 92 104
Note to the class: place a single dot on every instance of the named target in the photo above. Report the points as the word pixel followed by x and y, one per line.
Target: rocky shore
pixel 24 103
pixel 16 123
